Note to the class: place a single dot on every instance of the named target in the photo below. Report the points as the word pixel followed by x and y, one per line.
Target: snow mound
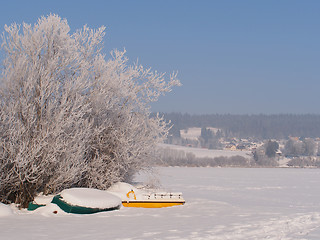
pixel 43 199
pixel 123 190
pixel 49 210
pixel 90 198
pixel 122 187
pixel 5 210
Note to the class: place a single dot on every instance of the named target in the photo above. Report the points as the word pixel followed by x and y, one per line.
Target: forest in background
pixel 259 127
pixel 271 139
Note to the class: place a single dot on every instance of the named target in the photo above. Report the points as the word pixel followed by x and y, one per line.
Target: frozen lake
pixel 221 203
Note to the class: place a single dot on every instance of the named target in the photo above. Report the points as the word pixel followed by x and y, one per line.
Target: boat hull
pixel 68 208
pixel 151 204
pixel 33 206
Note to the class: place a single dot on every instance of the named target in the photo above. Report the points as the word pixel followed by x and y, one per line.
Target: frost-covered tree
pixel 297 148
pixel 310 147
pixel 271 148
pixel 68 116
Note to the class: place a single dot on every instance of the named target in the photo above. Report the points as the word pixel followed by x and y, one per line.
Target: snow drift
pixel 90 198
pixel 5 210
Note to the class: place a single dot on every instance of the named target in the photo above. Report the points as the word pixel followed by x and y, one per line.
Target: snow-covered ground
pixel 191 133
pixel 221 203
pixel 194 133
pixel 210 153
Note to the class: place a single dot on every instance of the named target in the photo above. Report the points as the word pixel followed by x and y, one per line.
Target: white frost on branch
pixel 68 116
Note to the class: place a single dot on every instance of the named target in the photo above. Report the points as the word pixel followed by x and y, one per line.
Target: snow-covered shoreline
pixel 210 153
pixel 221 203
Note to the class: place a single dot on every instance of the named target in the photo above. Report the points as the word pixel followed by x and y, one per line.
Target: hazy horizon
pixel 241 114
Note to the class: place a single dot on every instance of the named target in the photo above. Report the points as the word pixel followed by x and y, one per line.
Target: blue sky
pixel 238 57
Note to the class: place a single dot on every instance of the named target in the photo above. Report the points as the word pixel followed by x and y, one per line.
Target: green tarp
pixel 71 208
pixel 33 206
pixel 78 209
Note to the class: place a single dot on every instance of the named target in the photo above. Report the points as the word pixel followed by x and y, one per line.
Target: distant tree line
pixel 174 157
pixel 301 147
pixel 304 162
pixel 279 126
pixel 209 139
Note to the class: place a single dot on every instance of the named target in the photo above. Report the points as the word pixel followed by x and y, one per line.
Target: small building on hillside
pixel 231 147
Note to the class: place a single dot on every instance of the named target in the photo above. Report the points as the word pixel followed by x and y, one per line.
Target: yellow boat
pixel 154 200
pixel 151 204
pixel 133 197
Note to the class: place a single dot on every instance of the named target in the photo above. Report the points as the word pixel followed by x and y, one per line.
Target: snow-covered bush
pixel 68 116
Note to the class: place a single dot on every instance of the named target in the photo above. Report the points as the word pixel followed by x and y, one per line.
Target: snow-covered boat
pixel 133 197
pixel 79 201
pixel 86 201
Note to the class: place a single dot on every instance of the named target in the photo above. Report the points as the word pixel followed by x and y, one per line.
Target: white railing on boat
pixel 163 195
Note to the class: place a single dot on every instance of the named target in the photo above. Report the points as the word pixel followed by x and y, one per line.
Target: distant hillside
pixel 260 126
